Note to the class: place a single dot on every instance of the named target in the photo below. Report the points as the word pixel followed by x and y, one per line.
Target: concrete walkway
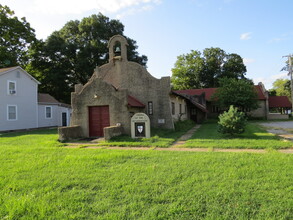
pixel 181 141
pixel 262 151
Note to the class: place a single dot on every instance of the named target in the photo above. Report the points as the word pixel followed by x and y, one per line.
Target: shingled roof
pixel 192 100
pixel 44 98
pixel 9 69
pixel 279 102
pixel 2 70
pixel 210 91
pixel 133 102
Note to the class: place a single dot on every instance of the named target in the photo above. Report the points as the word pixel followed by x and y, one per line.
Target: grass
pixel 254 137
pixel 41 180
pixel 160 137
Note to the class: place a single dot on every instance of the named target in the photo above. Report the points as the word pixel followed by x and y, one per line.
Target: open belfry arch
pixel 114 93
pixel 117 48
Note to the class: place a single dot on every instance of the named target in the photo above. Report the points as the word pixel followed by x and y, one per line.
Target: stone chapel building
pixel 118 90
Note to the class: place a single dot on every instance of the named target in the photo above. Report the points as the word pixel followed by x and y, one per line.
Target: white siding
pixel 24 98
pixel 68 114
pixel 48 122
pixel 56 119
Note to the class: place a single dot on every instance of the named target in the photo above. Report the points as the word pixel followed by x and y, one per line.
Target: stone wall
pixel 141 85
pixel 112 83
pixel 99 93
pixel 112 131
pixel 277 116
pixel 69 133
pixel 261 111
pixel 123 74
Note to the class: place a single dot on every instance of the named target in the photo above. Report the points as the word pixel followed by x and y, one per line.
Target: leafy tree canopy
pixel 204 70
pixel 70 55
pixel 281 87
pixel 15 38
pixel 239 93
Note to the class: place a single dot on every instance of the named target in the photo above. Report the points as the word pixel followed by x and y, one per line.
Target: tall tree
pixel 187 71
pixel 15 38
pixel 281 87
pixel 71 54
pixel 240 93
pixel 203 70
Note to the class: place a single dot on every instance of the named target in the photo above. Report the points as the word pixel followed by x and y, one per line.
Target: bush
pixel 232 122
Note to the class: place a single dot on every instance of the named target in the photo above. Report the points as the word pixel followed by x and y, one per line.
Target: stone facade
pixel 126 88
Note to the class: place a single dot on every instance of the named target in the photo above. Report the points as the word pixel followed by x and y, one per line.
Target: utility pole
pixel 290 73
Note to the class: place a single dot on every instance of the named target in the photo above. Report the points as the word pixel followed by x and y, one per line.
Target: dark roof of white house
pixel 8 69
pixel 44 98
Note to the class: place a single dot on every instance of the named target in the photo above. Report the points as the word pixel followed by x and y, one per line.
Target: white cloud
pixel 248 60
pixel 268 81
pixel 245 36
pixel 48 16
pixel 132 11
pixel 78 7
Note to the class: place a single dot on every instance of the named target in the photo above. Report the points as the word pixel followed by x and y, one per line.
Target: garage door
pixel 99 118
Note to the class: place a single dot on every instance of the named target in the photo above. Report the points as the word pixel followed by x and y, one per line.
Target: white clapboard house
pixel 22 107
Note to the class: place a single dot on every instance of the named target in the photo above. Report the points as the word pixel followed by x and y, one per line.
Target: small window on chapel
pixel 173 108
pixel 150 108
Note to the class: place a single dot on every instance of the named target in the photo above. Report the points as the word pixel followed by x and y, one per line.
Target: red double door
pixel 99 117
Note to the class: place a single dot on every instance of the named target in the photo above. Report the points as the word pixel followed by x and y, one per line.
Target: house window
pixel 150 108
pixel 11 88
pixel 48 112
pixel 11 112
pixel 180 108
pixel 173 108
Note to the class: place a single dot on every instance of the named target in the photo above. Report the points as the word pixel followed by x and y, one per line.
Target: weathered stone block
pixel 69 133
pixel 112 131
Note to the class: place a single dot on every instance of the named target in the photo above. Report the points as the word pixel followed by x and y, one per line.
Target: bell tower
pixel 117 48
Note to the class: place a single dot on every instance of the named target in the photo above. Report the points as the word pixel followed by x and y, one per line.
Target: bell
pixel 117 51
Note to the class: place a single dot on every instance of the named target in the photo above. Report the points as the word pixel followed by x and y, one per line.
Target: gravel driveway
pixel 279 128
pixel 278 124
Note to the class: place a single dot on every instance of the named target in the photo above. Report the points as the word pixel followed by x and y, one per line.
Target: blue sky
pixel 260 31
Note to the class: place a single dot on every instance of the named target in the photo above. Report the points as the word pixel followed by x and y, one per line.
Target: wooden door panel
pixel 99 117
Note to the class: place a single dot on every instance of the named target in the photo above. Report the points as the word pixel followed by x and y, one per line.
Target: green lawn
pixel 41 180
pixel 254 137
pixel 160 137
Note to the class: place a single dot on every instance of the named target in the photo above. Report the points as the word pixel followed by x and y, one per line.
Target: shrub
pixel 232 122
